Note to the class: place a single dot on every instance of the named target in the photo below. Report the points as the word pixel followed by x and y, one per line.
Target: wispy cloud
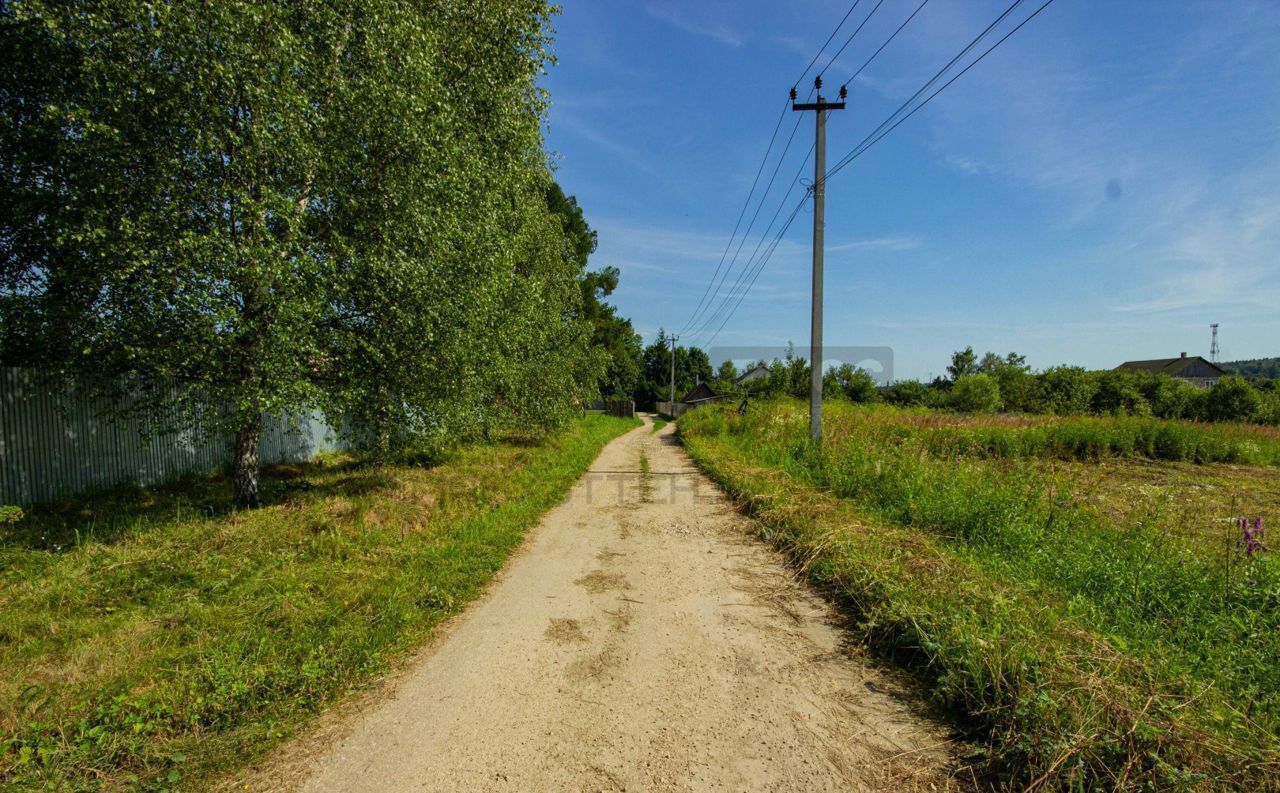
pixel 1223 260
pixel 891 243
pixel 676 18
pixel 622 151
pixel 1188 225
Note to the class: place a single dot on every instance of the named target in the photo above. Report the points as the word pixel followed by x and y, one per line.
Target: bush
pixel 1171 398
pixel 976 393
pixel 1066 390
pixel 1118 394
pixel 853 383
pixel 907 393
pixel 1232 399
pixel 1019 389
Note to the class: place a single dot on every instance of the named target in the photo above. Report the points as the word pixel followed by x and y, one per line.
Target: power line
pixel 725 302
pixel 712 318
pixel 852 35
pixel 747 270
pixel 860 148
pixel 694 317
pixel 742 241
pixel 759 170
pixel 716 291
pixel 763 261
pixel 886 43
pixel 870 140
pixel 818 54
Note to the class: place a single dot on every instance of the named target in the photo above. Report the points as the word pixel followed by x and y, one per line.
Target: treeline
pixel 284 207
pixel 1254 368
pixel 995 383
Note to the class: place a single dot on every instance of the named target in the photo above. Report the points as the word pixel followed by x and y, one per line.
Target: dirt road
pixel 641 640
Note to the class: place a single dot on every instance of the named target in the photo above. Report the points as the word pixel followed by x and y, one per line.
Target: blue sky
pixel 1100 188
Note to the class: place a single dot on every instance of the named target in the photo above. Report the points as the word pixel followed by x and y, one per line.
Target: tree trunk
pixel 246 462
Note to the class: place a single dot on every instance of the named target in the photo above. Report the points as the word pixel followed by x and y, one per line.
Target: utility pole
pixel 820 109
pixel 672 405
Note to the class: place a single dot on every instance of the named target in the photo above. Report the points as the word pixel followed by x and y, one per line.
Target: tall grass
pixel 1077 438
pixel 149 640
pixel 1087 653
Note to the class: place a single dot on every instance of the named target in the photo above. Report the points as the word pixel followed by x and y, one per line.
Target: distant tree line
pixel 1255 368
pixel 280 207
pixel 973 384
pixel 1005 383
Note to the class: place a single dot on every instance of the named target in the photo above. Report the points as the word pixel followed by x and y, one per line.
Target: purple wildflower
pixel 1252 535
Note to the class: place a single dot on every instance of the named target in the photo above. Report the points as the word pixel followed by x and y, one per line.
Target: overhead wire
pixel 869 141
pixel 703 301
pixel 876 135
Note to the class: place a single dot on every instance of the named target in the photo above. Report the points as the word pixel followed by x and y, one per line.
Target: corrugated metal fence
pixel 53 445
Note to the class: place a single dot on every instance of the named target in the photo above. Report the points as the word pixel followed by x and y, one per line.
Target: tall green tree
pixel 963 362
pixel 613 338
pixel 282 206
pixel 692 367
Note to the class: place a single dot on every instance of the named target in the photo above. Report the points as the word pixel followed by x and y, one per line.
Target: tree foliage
pixel 284 206
pixel 976 393
pixel 692 367
pixel 849 382
pixel 613 339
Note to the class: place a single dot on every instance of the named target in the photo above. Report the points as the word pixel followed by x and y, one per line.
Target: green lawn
pixel 1093 633
pixel 149 639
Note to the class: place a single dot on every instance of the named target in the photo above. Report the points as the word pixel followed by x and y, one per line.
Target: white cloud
pixel 890 243
pixel 680 21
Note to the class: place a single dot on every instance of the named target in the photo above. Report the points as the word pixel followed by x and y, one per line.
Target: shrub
pixel 976 393
pixel 1066 390
pixel 1019 390
pixel 1118 394
pixel 853 383
pixel 1169 397
pixel 907 393
pixel 1232 399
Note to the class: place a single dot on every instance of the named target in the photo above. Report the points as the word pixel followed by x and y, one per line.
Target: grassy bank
pixel 150 639
pixel 1078 437
pixel 1089 647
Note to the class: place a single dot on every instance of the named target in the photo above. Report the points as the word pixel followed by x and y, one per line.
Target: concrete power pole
pixel 672 405
pixel 820 109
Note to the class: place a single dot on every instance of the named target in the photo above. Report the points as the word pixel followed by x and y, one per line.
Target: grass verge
pixel 150 641
pixel 1084 654
pixel 949 435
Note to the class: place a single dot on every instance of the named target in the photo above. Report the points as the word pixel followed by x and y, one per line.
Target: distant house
pixel 700 395
pixel 1193 369
pixel 758 372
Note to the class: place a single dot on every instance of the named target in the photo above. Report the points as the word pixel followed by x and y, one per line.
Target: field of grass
pixel 1081 437
pixel 1083 614
pixel 150 640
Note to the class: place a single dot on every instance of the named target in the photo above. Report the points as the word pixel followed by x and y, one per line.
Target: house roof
pixel 700 393
pixel 1182 366
pixel 754 373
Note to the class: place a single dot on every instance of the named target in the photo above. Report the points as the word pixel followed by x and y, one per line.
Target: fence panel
pixel 60 444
